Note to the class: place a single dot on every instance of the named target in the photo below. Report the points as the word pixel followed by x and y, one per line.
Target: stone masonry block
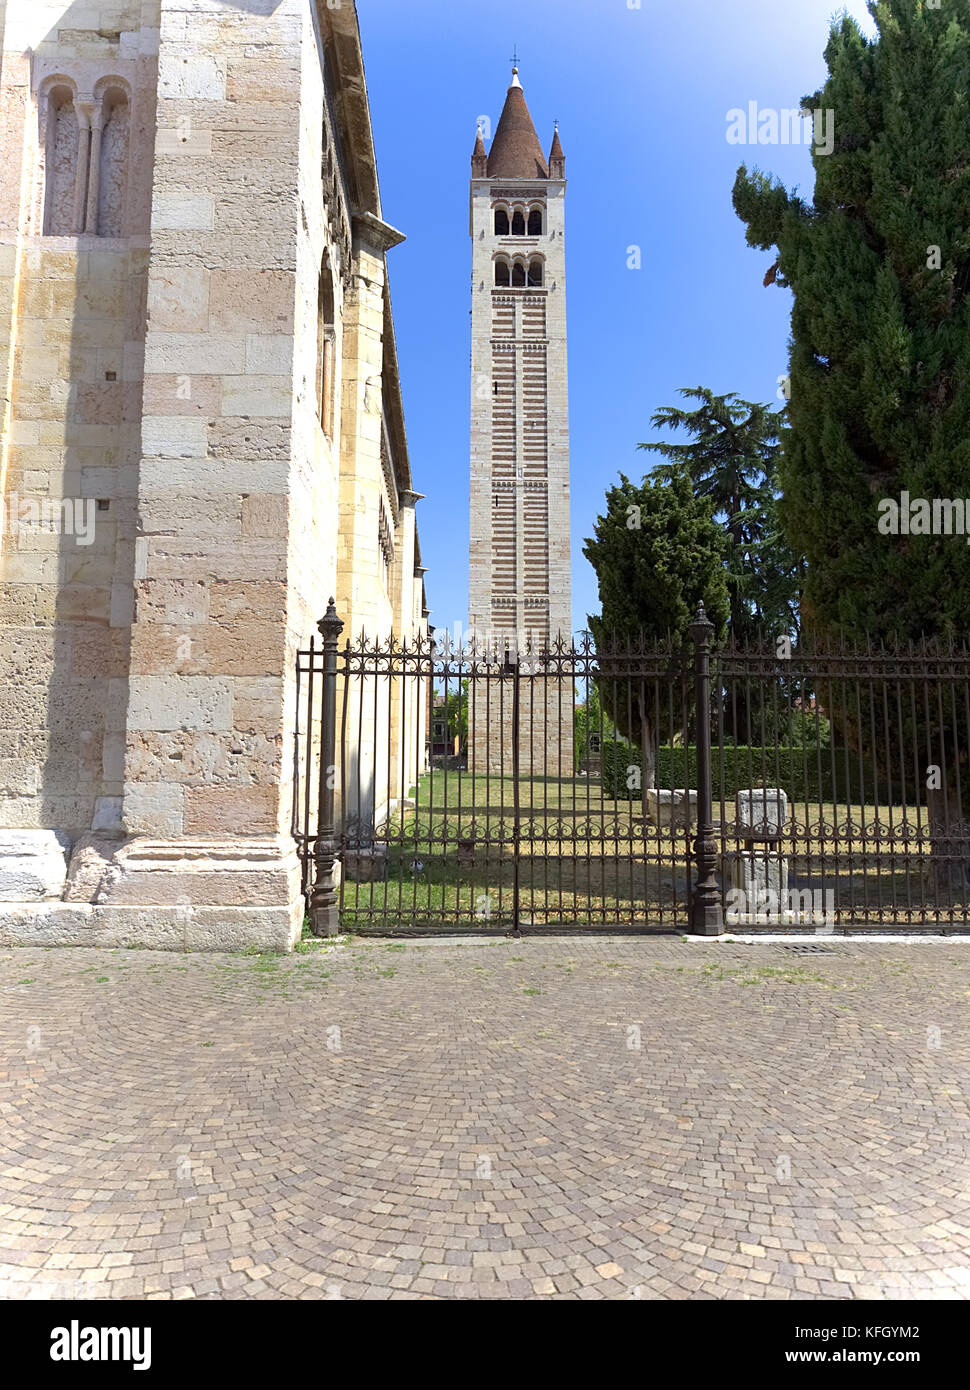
pixel 179 702
pixel 33 865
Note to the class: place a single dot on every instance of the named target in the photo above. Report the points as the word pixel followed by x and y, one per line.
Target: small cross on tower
pixel 514 60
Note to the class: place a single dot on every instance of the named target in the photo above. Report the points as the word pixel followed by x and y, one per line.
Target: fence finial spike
pixel 701 628
pixel 330 624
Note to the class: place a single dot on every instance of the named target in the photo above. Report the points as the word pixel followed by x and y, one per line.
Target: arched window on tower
pixel 326 348
pixel 502 273
pixel 518 223
pixel 84 165
pixel 501 222
pixel 109 164
pixel 535 272
pixel 60 163
pixel 518 275
pixel 535 222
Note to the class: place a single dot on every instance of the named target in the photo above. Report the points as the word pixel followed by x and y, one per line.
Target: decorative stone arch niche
pixel 83 156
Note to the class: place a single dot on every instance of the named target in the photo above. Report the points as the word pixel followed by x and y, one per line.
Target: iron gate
pixel 482 788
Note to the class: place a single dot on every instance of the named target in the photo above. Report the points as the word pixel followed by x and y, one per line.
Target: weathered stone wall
pixel 205 717
pixel 322 246
pixel 210 167
pixel 72 323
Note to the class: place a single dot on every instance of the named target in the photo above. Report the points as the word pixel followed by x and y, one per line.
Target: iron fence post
pixel 324 906
pixel 706 910
pixel 513 667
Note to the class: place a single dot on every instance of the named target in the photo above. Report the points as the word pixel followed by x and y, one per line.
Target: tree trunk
pixel 949 863
pixel 648 760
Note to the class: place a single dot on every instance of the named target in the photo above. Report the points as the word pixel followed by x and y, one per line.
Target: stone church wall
pixel 72 327
pixel 162 331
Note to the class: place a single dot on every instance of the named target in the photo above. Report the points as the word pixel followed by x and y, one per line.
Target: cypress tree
pixel 878 263
pixel 879 266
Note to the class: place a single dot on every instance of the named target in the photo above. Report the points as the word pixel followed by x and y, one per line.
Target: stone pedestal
pixel 676 808
pixel 365 865
pixel 758 887
pixel 757 878
pixel 761 813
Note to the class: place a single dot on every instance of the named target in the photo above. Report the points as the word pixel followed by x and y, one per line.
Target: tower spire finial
pixel 557 160
pixel 514 60
pixel 479 157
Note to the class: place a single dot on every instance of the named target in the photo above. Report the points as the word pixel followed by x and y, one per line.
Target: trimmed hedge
pixel 804 773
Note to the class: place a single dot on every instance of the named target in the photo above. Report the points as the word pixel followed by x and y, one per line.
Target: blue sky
pixel 641 96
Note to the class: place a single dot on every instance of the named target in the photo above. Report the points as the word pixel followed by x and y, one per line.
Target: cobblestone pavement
pixel 582 1118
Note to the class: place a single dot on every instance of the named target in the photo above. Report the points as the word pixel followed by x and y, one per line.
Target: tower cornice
pixel 503 181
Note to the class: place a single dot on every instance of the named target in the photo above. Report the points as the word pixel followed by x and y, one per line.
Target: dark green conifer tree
pixel 878 263
pixel 879 266
pixel 731 457
pixel 657 553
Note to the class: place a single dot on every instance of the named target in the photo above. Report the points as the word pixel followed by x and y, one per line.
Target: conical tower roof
pixel 479 157
pixel 557 160
pixel 516 152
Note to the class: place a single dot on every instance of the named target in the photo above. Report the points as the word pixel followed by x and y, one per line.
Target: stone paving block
pixel 163 1127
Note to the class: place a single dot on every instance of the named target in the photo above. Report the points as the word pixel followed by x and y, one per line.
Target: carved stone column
pixel 84 111
pixel 94 178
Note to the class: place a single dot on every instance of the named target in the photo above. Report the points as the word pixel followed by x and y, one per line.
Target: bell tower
pixel 519 559
pixel 519 552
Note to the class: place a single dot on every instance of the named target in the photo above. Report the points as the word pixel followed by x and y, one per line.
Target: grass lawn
pixel 586 859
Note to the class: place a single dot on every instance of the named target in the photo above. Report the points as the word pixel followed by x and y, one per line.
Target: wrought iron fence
pixel 633 787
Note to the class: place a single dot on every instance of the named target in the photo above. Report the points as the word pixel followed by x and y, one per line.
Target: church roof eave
pixel 341 27
pixel 393 400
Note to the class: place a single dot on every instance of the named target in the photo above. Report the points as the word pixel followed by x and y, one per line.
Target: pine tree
pixel 731 460
pixel 657 553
